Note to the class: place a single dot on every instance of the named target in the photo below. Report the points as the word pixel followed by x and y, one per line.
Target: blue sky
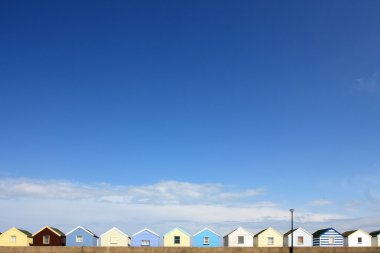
pixel 264 105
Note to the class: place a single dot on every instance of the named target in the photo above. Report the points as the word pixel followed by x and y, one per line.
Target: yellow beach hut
pixel 16 237
pixel 177 238
pixel 268 238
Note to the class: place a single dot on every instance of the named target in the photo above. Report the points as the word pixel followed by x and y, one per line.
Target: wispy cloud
pixel 160 206
pixel 165 192
pixel 369 84
pixel 320 202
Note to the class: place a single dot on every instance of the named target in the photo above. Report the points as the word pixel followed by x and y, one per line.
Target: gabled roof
pixel 205 230
pixel 86 230
pixel 54 230
pixel 320 232
pixel 177 228
pixel 237 229
pixel 375 233
pixel 27 233
pixel 118 230
pixel 262 231
pixel 145 229
pixel 294 230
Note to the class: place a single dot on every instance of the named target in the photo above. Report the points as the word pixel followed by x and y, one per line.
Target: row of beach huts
pixel 50 236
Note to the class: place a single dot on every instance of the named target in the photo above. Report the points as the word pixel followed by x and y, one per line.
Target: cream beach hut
pixel 114 237
pixel 177 238
pixel 16 237
pixel 268 238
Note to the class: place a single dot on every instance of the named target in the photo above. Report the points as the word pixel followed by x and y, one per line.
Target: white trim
pixel 236 230
pixel 177 228
pixel 114 228
pixel 262 232
pixel 145 229
pixel 300 228
pixel 48 227
pixel 206 228
pixel 83 229
pixel 357 230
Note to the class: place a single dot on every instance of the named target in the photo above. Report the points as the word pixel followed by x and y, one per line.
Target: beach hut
pixel 238 238
pixel 327 237
pixel 206 238
pixel 301 238
pixel 114 237
pixel 177 238
pixel 356 238
pixel 80 236
pixel 268 238
pixel 375 238
pixel 49 236
pixel 16 237
pixel 145 238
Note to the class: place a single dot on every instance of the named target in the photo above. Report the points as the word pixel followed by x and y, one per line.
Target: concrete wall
pixel 57 249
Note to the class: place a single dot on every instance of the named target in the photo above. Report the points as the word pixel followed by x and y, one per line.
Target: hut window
pixel 79 238
pixel 300 240
pixel 145 242
pixel 177 239
pixel 46 239
pixel 240 239
pixel 114 240
pixel 331 240
pixel 206 240
pixel 270 240
pixel 360 240
pixel 12 239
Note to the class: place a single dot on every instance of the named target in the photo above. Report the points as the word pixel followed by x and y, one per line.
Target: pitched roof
pixel 205 230
pixel 262 231
pixel 235 230
pixel 54 230
pixel 318 233
pixel 58 231
pixel 115 228
pixel 375 233
pixel 86 230
pixel 179 230
pixel 145 229
pixel 25 232
pixel 290 231
pixel 348 233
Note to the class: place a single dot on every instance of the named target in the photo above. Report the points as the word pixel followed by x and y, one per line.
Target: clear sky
pixel 147 108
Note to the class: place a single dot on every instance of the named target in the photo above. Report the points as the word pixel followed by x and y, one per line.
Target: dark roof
pixel 347 233
pixel 375 233
pixel 26 232
pixel 320 232
pixel 256 235
pixel 58 231
pixel 94 235
pixel 290 231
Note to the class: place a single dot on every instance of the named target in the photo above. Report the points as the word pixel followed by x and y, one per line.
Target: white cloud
pixel 320 202
pixel 368 84
pixel 32 204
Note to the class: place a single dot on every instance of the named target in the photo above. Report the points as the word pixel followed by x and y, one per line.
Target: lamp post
pixel 291 245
